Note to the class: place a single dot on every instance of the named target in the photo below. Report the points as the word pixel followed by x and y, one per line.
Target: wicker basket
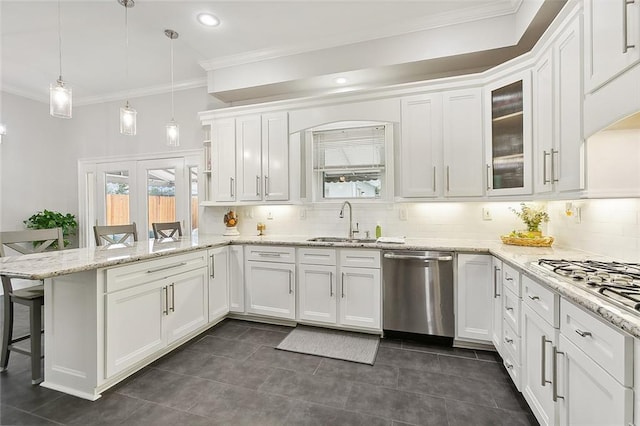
pixel 528 242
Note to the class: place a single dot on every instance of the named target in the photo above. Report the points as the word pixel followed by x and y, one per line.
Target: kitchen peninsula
pixel 94 296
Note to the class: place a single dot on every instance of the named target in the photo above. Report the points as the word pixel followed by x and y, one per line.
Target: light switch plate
pixel 403 213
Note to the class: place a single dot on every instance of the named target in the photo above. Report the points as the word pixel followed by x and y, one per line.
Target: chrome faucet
pixel 352 232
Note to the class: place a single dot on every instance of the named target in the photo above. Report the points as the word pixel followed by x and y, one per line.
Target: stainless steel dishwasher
pixel 418 292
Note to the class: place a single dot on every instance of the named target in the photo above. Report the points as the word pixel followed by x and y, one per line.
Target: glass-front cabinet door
pixel 509 165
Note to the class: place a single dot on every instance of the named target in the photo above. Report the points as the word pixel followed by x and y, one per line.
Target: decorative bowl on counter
pixel 524 239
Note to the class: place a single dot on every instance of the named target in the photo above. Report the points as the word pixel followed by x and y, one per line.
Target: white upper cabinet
pixel 557 114
pixel 612 40
pixel 462 144
pixel 508 135
pixel 421 146
pixel 249 157
pixel 223 164
pixel 438 155
pixel 275 156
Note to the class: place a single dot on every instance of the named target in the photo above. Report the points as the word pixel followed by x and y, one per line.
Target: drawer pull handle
pixel 508 364
pixel 534 297
pixel 162 268
pixel 583 333
pixel 508 308
pixel 508 278
pixel 507 340
pixel 264 254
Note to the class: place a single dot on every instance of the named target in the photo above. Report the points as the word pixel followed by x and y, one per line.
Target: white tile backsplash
pixel 610 227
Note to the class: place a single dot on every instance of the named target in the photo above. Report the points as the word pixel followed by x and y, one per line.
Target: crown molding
pixel 475 13
pixel 111 97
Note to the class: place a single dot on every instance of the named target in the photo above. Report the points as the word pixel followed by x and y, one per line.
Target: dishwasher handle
pixel 413 257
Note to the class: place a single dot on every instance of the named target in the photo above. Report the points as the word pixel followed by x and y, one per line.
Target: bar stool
pixel 115 234
pixel 25 242
pixel 166 230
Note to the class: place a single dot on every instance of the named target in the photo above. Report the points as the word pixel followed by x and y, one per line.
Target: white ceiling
pixel 93 41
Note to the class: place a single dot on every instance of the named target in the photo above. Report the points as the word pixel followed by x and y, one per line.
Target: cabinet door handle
pixel 488 177
pixel 554 379
pixel 545 154
pixel 266 186
pixel 625 22
pixel 447 178
pixel 173 297
pixel 342 286
pixel 495 282
pixel 258 186
pixel 583 333
pixel 434 178
pixel 507 340
pixel 554 155
pixel 213 266
pixel 508 308
pixel 507 277
pixel 290 288
pixel 508 365
pixel 165 311
pixel 162 268
pixel 533 297
pixel 330 284
pixel 231 186
pixel 543 360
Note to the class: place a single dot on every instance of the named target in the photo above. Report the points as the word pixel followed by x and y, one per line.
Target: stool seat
pixel 30 292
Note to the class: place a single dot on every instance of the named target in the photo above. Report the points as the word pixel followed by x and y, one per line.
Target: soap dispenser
pixel 378 230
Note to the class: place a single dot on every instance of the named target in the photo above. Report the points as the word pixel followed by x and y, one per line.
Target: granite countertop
pixel 55 263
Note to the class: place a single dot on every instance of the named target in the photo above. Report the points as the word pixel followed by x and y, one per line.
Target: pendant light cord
pixel 126 50
pixel 59 42
pixel 172 115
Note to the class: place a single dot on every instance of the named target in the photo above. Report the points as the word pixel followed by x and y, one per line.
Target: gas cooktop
pixel 616 282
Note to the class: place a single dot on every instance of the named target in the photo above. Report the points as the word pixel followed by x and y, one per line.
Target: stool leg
pixel 35 312
pixel 7 332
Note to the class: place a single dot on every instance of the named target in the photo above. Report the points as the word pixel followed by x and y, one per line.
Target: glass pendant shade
pixel 60 99
pixel 128 120
pixel 173 133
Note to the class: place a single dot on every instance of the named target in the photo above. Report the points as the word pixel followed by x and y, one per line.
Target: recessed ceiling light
pixel 340 80
pixel 208 19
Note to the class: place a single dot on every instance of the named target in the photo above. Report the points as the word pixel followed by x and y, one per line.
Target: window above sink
pixel 351 160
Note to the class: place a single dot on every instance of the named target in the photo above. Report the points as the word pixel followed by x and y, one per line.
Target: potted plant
pixel 532 217
pixel 48 219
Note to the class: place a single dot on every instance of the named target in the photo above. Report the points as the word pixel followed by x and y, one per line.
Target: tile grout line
pixel 34 415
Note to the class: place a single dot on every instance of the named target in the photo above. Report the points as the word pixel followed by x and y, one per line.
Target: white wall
pixel 40 153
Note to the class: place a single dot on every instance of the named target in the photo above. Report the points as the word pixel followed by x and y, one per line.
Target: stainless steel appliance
pixel 418 292
pixel 617 282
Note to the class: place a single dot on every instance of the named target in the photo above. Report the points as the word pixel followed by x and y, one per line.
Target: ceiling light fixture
pixel 59 92
pixel 341 80
pixel 173 130
pixel 208 20
pixel 127 114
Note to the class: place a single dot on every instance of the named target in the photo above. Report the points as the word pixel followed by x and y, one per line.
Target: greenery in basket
pixel 531 216
pixel 49 219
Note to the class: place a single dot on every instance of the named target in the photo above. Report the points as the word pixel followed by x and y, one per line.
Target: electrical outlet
pixel 248 214
pixel 577 215
pixel 269 216
pixel 403 213
pixel 486 214
pixel 303 213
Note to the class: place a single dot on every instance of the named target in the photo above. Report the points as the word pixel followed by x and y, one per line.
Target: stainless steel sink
pixel 342 240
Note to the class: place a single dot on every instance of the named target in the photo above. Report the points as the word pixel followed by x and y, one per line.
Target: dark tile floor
pixel 232 375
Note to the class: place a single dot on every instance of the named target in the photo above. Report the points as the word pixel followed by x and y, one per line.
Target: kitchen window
pixel 351 160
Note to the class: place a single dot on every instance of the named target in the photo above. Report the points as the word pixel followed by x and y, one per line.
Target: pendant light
pixel 127 114
pixel 60 92
pixel 173 130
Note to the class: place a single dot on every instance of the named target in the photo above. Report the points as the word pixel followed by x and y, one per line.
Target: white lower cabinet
pixel 343 292
pixel 317 300
pixel 496 323
pixel 360 297
pixel 236 279
pixel 218 283
pixel 149 308
pixel 474 299
pixel 270 285
pixel 539 337
pixel 587 394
